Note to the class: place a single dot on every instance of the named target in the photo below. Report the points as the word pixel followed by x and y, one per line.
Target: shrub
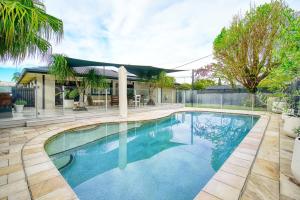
pixel 20 102
pixel 184 86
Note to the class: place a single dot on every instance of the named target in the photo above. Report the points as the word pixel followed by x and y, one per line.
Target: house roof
pixel 111 74
pixel 82 67
pixel 142 71
pixel 7 84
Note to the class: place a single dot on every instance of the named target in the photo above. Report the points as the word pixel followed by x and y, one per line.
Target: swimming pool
pixel 168 158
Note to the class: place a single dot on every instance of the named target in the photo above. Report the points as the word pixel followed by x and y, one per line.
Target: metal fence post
pixel 252 101
pixel 36 99
pixel 221 100
pixel 106 100
pixel 135 99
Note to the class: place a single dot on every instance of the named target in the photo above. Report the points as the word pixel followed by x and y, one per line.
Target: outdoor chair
pixel 114 100
pixel 137 100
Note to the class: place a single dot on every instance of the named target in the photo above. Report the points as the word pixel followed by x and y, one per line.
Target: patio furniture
pixel 98 101
pixel 5 105
pixel 144 100
pixel 114 100
pixel 137 100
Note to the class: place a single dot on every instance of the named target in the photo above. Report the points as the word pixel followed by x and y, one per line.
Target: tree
pixel 247 51
pixel 184 86
pixel 202 84
pixel 162 80
pixel 16 76
pixel 63 72
pixel 25 29
pixel 280 78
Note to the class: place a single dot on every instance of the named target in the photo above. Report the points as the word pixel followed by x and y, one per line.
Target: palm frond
pixel 25 28
pixel 60 69
pixel 94 80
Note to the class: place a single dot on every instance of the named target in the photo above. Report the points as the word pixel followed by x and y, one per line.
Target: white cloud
pixel 162 33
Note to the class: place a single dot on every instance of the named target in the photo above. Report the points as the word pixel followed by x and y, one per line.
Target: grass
pixel 229 107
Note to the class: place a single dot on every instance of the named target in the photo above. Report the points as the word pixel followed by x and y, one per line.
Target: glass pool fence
pixel 224 100
pixel 36 102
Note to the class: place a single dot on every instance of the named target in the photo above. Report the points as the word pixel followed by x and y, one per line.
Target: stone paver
pixel 263 181
pixel 271 176
pixel 24 163
pixel 289 190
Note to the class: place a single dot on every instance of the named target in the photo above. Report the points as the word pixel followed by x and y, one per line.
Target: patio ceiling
pixel 142 71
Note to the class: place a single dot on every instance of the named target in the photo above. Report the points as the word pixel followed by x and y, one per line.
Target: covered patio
pixel 141 73
pixel 128 91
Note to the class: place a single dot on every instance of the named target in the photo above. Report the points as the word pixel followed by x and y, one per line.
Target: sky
pixel 164 33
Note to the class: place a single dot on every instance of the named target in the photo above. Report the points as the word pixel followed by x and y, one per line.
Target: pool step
pixel 63 162
pixel 50 120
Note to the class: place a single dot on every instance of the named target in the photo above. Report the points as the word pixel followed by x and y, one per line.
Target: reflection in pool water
pixel 169 158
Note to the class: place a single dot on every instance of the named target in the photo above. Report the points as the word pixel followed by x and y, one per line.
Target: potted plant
pixel 291 122
pixel 295 165
pixel 19 105
pixel 162 80
pixel 70 95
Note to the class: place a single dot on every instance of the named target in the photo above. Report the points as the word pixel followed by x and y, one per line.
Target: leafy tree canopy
pixel 253 45
pixel 164 81
pixel 25 29
pixel 202 84
pixel 184 86
pixel 280 78
pixel 16 76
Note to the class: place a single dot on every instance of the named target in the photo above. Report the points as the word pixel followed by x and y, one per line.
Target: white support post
pixel 123 92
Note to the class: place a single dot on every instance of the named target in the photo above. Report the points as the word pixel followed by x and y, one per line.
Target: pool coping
pixel 44 181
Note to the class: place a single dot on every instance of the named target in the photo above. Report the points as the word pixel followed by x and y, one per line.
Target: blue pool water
pixel 170 158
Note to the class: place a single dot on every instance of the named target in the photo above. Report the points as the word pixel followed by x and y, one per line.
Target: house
pixel 50 92
pixel 6 86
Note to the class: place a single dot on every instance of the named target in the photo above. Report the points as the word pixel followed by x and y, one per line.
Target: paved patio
pixel 59 114
pixel 27 173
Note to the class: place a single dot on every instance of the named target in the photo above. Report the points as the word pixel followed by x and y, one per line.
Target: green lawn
pixel 229 107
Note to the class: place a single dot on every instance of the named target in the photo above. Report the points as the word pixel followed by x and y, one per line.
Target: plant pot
pixel 295 166
pixel 19 108
pixel 290 124
pixel 278 106
pixel 68 103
